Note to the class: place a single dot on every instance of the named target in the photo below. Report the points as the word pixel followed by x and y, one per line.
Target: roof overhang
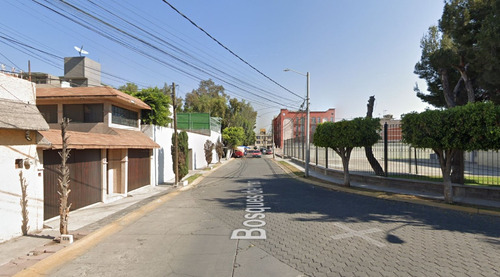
pixel 116 139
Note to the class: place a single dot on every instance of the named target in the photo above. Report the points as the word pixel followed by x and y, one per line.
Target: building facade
pixel 20 160
pixel 263 139
pixel 110 156
pixel 292 124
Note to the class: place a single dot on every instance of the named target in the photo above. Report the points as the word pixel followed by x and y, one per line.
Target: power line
pixel 230 51
pixel 101 32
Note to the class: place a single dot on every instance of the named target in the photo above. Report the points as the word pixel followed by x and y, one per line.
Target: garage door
pixel 139 168
pixel 85 179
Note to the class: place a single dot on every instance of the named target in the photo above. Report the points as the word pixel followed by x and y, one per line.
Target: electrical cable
pixel 230 51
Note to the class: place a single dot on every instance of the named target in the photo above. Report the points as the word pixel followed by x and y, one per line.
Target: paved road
pixel 308 231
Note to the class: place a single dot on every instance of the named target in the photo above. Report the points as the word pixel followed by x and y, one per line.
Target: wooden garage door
pixel 139 168
pixel 85 179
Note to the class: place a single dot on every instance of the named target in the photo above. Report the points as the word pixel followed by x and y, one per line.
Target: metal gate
pixel 85 179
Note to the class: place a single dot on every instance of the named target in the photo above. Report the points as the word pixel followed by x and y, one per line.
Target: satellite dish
pixel 81 51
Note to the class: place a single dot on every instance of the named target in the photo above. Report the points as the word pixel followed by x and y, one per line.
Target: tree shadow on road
pixel 308 203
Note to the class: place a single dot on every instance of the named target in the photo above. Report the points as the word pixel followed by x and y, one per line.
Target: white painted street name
pixel 254 214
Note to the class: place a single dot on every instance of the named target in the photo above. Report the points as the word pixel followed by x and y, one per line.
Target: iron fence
pixel 400 160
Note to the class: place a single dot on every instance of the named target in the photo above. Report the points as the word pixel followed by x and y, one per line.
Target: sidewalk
pixel 21 252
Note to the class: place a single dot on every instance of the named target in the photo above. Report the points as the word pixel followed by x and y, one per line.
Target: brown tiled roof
pixel 90 93
pixel 19 115
pixel 115 139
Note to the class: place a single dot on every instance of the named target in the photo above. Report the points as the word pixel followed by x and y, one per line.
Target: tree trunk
pixel 64 181
pixel 368 150
pixel 345 155
pixel 468 84
pixel 448 93
pixel 24 204
pixel 445 158
pixel 458 168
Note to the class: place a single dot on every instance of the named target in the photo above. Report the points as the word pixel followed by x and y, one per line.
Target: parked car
pixel 269 151
pixel 255 153
pixel 238 154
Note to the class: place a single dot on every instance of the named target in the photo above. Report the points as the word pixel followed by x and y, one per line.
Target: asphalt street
pixel 298 230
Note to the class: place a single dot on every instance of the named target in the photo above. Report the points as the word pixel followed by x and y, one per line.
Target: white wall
pixel 14 145
pixel 17 89
pixel 10 188
pixel 162 157
pixel 196 142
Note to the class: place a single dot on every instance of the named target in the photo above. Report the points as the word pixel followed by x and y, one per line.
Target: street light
pixel 306 170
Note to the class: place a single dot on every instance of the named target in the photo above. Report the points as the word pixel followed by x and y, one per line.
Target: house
pixel 109 157
pixel 263 140
pixel 292 124
pixel 20 160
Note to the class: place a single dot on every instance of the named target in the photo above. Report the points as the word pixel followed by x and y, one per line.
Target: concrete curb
pixel 391 196
pixel 79 247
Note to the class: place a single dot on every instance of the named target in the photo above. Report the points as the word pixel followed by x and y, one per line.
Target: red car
pixel 255 153
pixel 238 154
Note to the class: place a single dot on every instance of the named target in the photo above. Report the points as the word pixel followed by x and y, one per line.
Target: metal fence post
pixel 326 157
pixel 316 155
pixel 386 164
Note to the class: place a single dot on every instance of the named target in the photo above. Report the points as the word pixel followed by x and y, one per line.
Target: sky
pixel 351 49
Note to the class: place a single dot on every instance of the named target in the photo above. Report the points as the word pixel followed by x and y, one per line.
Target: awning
pixel 116 139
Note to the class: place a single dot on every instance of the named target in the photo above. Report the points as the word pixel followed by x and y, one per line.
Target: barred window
pixel 124 117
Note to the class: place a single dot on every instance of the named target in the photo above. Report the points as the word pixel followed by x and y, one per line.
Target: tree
pixel 158 99
pixel 183 152
pixel 344 135
pixel 219 149
pixel 460 57
pixel 460 60
pixel 208 98
pixel 24 204
pixel 208 147
pixel 211 98
pixel 475 126
pixel 129 88
pixel 233 136
pixel 64 181
pixel 242 114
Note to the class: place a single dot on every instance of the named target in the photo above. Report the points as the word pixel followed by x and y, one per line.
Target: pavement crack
pixel 235 265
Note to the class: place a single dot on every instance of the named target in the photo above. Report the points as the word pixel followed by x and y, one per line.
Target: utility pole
pixel 176 137
pixel 308 131
pixel 272 139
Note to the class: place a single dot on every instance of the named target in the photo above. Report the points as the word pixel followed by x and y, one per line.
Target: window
pixel 49 112
pixel 124 117
pixel 314 120
pixel 88 113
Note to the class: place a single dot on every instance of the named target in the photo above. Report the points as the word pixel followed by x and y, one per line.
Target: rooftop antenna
pixel 81 51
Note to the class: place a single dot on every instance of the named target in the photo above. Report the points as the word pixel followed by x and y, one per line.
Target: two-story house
pixel 109 155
